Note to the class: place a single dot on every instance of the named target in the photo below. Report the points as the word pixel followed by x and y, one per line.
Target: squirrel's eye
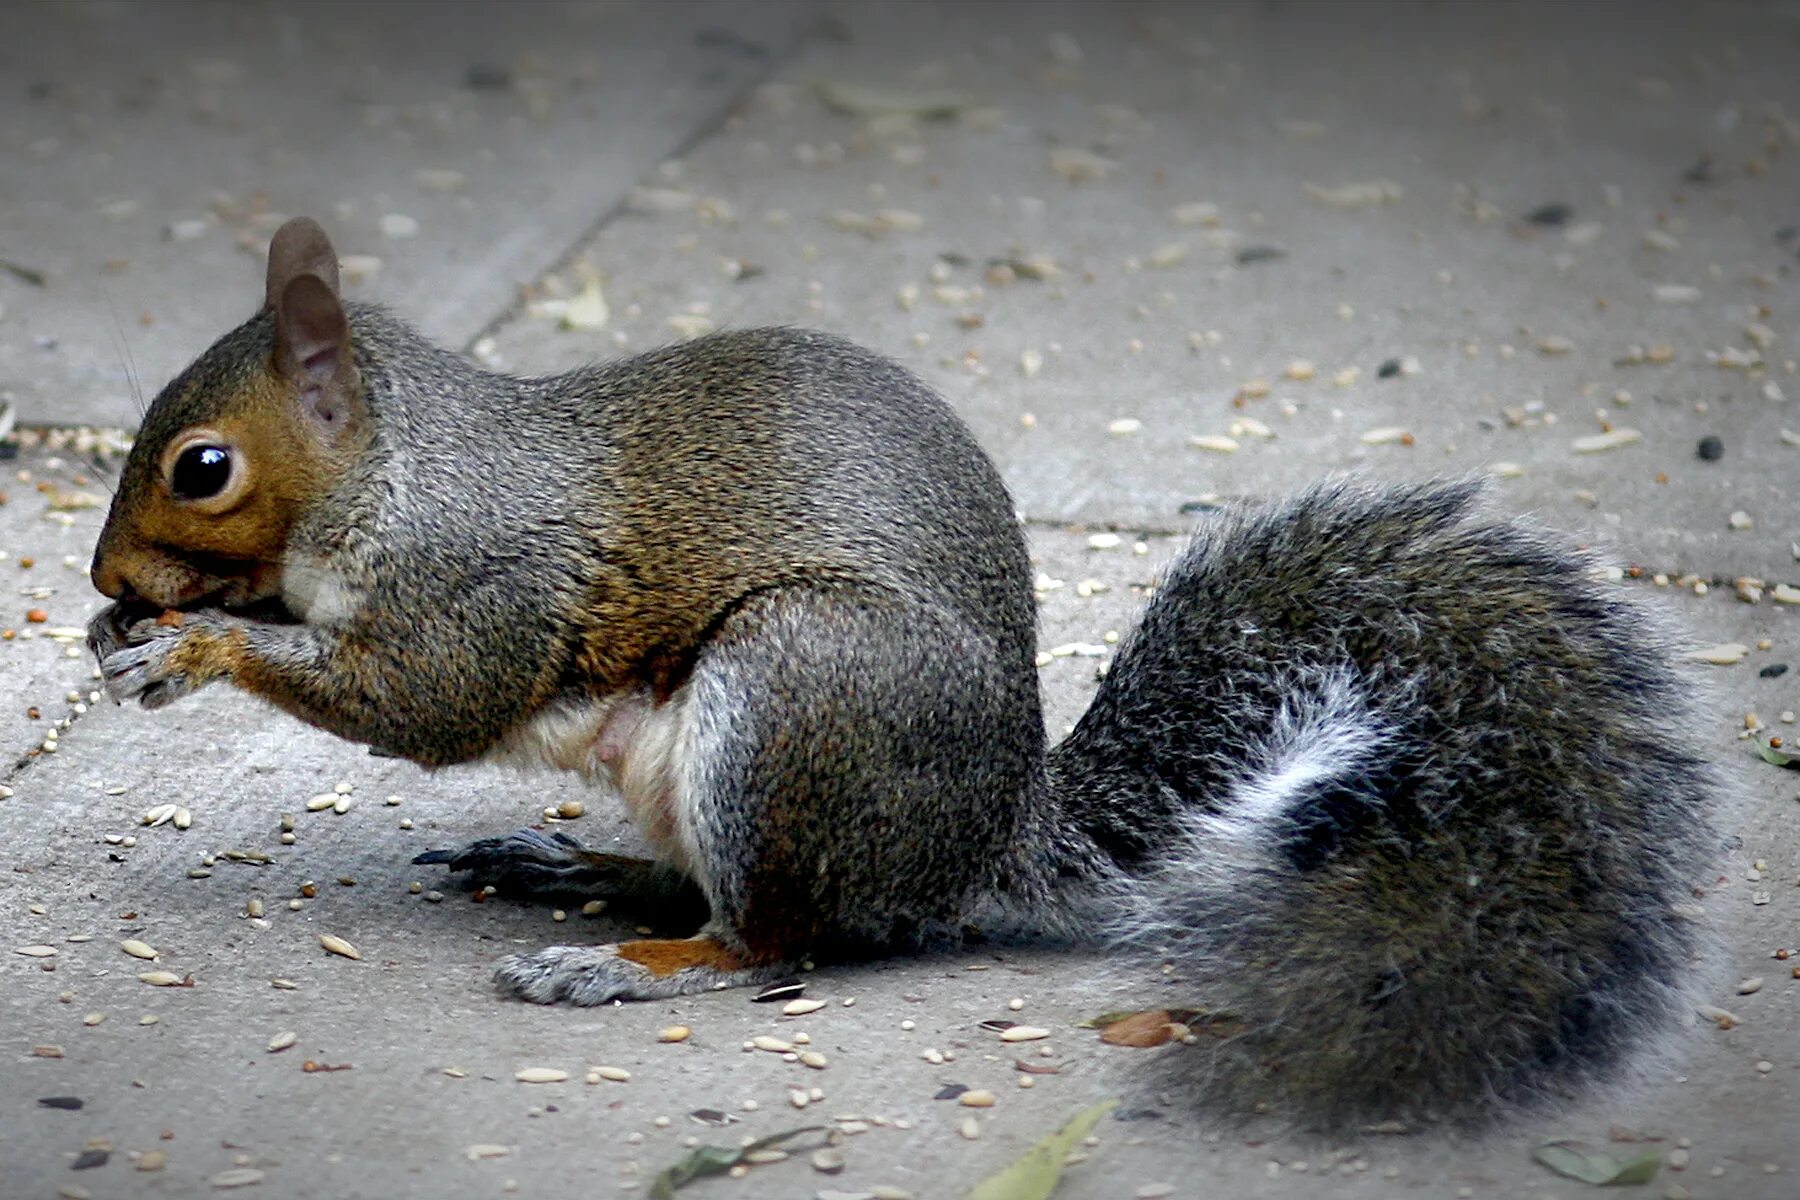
pixel 200 472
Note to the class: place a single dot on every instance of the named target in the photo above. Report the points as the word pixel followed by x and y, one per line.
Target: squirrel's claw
pixel 528 861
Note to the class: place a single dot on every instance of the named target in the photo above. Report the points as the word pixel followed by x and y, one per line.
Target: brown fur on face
pixel 173 554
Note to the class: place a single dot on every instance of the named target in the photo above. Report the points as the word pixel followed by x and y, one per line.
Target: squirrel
pixel 1401 787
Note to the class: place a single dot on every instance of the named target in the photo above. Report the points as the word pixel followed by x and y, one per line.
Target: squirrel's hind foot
pixel 652 969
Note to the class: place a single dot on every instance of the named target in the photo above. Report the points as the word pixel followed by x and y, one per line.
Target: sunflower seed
pixel 1024 1033
pixel 1611 440
pixel 481 1150
pixel 138 949
pixel 799 1008
pixel 282 1041
pixel 337 945
pixel 237 1177
pixel 785 989
pixel 771 1044
pixel 161 978
pixel 36 951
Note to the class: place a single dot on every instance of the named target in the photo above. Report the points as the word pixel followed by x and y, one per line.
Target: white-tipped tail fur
pixel 1409 794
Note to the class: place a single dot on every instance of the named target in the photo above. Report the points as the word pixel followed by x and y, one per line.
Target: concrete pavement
pixel 1400 238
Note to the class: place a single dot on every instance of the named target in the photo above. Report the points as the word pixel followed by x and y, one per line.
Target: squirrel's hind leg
pixel 845 769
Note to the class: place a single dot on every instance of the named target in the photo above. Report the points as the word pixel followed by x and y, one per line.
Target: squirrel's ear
pixel 312 350
pixel 298 248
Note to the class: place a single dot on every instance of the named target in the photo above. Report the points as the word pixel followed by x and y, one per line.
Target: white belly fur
pixel 632 745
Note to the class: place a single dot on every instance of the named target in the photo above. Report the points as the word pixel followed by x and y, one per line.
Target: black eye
pixel 200 472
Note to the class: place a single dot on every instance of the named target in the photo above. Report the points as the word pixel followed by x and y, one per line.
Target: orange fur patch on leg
pixel 663 957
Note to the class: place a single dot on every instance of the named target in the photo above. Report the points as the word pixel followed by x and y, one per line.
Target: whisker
pixel 123 345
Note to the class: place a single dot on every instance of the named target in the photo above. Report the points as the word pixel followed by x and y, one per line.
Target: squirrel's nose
pixel 107 577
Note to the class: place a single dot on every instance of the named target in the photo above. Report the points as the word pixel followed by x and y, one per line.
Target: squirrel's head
pixel 235 449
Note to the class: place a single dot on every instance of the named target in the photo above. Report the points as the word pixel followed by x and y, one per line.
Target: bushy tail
pixel 1411 795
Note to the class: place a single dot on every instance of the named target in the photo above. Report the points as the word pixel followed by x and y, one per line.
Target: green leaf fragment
pixel 1035 1174
pixel 1589 1164
pixel 716 1160
pixel 1780 758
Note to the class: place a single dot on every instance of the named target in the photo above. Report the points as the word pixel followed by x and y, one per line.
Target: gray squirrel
pixel 1396 784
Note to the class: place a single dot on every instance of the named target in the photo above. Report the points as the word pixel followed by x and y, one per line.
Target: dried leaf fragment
pixel 1589 1164
pixel 863 100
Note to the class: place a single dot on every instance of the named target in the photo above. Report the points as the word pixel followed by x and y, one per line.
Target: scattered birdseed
pixel 977 1098
pixel 322 802
pixel 36 951
pixel 1722 655
pixel 1355 195
pixel 1750 986
pixel 970 1128
pixel 481 1150
pixel 1103 541
pixel 1675 293
pixel 337 945
pixel 540 1075
pixel 1024 1033
pixel 1124 426
pixel 1718 1016
pixel 813 1059
pixel 614 1074
pixel 157 815
pixel 674 1033
pixel 828 1161
pixel 1216 443
pixel 799 1008
pixel 237 1177
pixel 1740 521
pixel 771 1044
pixel 1611 440
pixel 282 1041
pixel 138 949
pixel 161 978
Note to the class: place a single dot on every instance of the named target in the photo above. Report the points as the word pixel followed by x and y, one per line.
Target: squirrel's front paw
pixel 161 659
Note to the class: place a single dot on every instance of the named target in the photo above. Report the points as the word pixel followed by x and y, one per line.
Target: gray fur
pixel 1477 904
pixel 1337 714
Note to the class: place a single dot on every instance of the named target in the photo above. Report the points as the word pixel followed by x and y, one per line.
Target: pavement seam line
pixel 774 62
